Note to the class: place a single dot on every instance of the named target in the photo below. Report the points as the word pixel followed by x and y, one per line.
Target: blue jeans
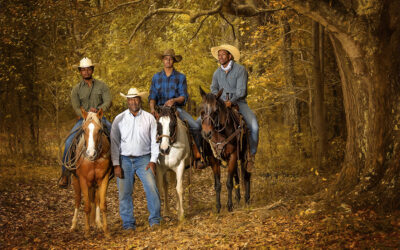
pixel 194 125
pixel 72 134
pixel 132 166
pixel 252 124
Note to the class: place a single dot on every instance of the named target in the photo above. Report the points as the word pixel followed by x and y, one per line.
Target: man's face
pixel 224 57
pixel 86 73
pixel 134 104
pixel 168 61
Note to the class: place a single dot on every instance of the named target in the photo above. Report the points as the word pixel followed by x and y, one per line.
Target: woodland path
pixel 35 213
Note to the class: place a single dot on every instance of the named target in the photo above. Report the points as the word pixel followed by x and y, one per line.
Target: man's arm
pixel 154 146
pixel 214 84
pixel 106 96
pixel 241 85
pixel 76 104
pixel 115 138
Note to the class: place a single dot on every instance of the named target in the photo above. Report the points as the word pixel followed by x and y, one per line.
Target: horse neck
pixel 181 133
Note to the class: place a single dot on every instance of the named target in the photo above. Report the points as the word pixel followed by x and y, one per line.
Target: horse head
pixel 92 132
pixel 166 128
pixel 213 113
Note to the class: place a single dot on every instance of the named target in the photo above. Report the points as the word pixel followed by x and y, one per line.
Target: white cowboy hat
pixel 85 63
pixel 133 92
pixel 230 48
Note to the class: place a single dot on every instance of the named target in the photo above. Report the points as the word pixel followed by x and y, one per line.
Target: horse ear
pixel 84 113
pixel 202 93
pixel 219 93
pixel 100 113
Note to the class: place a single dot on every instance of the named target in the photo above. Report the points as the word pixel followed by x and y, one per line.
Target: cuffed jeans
pixel 194 125
pixel 252 124
pixel 72 134
pixel 132 166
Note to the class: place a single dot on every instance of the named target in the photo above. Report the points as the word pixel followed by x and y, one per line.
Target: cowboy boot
pixel 198 161
pixel 63 181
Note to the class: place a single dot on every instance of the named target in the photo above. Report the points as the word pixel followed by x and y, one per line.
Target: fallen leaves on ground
pixel 35 213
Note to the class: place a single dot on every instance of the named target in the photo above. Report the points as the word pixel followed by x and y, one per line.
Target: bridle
pixel 99 144
pixel 172 137
pixel 215 122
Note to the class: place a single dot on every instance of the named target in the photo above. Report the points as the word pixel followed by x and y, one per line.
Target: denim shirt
pixel 234 83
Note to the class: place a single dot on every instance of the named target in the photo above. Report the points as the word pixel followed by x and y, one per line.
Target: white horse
pixel 175 154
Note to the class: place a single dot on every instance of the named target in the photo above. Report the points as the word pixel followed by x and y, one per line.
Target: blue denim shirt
pixel 164 88
pixel 234 83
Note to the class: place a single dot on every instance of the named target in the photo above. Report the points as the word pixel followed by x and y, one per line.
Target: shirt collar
pixel 84 83
pixel 138 114
pixel 173 72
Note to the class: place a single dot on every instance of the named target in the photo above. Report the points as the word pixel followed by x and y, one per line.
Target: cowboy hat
pixel 133 92
pixel 85 63
pixel 170 52
pixel 231 49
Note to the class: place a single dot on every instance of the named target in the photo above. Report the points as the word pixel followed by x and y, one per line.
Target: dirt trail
pixel 35 213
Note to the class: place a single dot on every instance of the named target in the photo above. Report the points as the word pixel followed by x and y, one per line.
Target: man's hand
pixel 228 104
pixel 170 102
pixel 118 171
pixel 152 165
pixel 94 110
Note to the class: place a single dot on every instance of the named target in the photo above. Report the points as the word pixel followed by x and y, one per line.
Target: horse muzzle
pixel 165 151
pixel 206 135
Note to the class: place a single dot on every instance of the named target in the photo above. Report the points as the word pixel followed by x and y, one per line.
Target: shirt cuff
pixel 153 159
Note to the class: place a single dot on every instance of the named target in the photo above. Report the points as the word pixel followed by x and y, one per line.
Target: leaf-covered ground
pixel 35 213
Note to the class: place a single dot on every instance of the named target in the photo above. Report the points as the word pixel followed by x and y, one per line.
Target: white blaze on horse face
pixel 91 147
pixel 164 121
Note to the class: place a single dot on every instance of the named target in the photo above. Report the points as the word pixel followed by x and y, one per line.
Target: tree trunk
pixel 291 114
pixel 367 48
pixel 319 116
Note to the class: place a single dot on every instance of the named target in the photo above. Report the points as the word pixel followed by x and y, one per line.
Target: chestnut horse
pixel 93 169
pixel 175 153
pixel 227 135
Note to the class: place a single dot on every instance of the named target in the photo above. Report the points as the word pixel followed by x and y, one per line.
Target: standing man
pixel 90 94
pixel 169 88
pixel 134 150
pixel 232 77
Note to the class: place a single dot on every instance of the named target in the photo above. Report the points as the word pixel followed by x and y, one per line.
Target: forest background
pixel 323 82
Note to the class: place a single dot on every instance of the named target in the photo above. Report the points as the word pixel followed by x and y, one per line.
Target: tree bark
pixel 366 41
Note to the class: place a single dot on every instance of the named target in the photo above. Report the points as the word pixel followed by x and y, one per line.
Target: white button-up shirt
pixel 134 136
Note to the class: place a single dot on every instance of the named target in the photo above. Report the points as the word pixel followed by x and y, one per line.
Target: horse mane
pixel 93 117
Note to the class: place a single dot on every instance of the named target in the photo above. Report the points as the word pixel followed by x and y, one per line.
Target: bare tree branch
pixel 193 15
pixel 233 28
pixel 116 8
pixel 198 29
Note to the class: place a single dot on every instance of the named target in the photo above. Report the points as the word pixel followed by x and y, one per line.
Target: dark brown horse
pixel 92 171
pixel 227 135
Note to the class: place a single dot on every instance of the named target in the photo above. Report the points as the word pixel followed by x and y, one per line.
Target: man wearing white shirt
pixel 134 150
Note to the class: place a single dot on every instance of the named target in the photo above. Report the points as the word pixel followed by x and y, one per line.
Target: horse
pixel 227 135
pixel 175 153
pixel 93 169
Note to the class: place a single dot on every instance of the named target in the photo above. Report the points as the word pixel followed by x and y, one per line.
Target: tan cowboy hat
pixel 170 52
pixel 133 92
pixel 230 48
pixel 85 63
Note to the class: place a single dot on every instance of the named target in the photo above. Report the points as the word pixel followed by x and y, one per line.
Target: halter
pixel 99 144
pixel 215 124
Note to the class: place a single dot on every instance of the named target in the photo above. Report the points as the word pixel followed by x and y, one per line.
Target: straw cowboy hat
pixel 170 52
pixel 85 63
pixel 133 92
pixel 230 48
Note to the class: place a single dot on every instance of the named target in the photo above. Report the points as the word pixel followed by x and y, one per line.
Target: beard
pixel 88 78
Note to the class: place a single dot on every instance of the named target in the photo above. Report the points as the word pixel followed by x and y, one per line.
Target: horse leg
pixel 217 184
pixel 232 165
pixel 246 179
pixel 162 186
pixel 97 202
pixel 237 186
pixel 92 197
pixel 103 205
pixel 179 189
pixel 77 189
pixel 87 206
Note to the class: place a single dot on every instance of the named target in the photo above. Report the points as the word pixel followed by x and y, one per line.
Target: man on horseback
pixel 92 95
pixel 169 88
pixel 232 78
pixel 134 150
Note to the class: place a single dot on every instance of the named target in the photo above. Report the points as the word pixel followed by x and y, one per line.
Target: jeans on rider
pixel 72 134
pixel 194 125
pixel 132 166
pixel 252 124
